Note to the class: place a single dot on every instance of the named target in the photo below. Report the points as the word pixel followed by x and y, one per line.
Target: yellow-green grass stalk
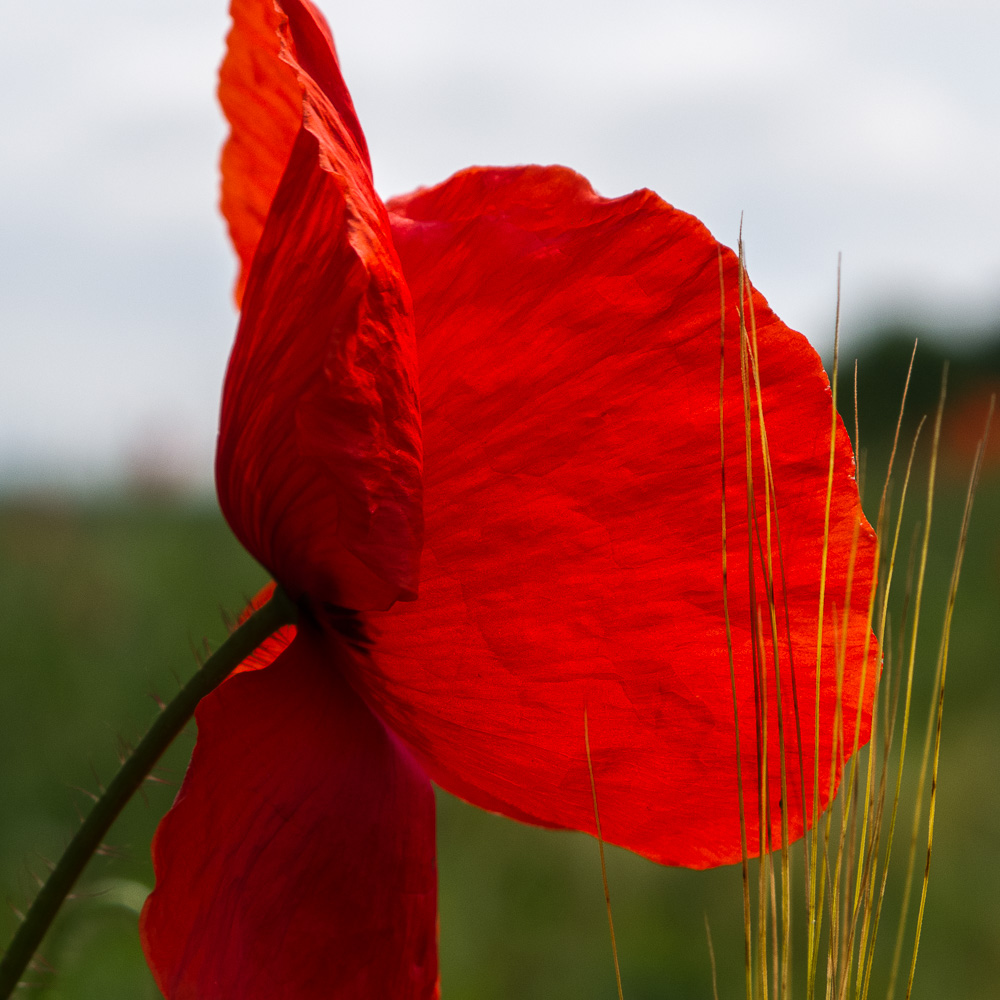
pixel 847 861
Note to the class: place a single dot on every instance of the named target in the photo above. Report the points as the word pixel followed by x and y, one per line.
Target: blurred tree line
pixel 883 358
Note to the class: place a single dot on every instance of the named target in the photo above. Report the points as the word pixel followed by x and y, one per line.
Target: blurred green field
pixel 105 603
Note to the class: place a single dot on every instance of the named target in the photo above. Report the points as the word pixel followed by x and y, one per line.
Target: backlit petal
pixel 262 81
pixel 272 647
pixel 570 371
pixel 318 464
pixel 298 860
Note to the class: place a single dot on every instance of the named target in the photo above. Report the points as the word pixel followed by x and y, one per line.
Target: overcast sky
pixel 867 128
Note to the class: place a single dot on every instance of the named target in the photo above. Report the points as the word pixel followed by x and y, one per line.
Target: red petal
pixel 298 859
pixel 262 81
pixel 570 355
pixel 272 647
pixel 318 467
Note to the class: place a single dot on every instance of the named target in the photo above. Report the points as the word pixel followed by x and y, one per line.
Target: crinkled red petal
pixel 261 88
pixel 272 647
pixel 570 369
pixel 318 464
pixel 298 860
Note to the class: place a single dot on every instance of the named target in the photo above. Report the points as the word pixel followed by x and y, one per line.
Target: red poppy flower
pixel 561 517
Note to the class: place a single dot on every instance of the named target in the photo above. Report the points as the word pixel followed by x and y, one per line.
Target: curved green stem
pixel 277 612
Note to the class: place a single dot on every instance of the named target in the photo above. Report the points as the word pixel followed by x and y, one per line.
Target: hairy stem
pixel 244 640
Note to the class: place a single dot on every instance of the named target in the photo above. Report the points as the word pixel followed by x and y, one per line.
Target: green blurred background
pixel 107 599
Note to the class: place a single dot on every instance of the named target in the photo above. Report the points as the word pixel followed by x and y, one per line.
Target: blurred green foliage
pixel 106 604
pixel 883 361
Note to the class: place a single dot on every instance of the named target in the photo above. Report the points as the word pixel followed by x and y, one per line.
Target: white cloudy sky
pixel 871 128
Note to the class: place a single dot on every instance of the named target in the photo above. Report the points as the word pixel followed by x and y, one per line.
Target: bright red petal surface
pixel 570 365
pixel 298 860
pixel 261 88
pixel 318 465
